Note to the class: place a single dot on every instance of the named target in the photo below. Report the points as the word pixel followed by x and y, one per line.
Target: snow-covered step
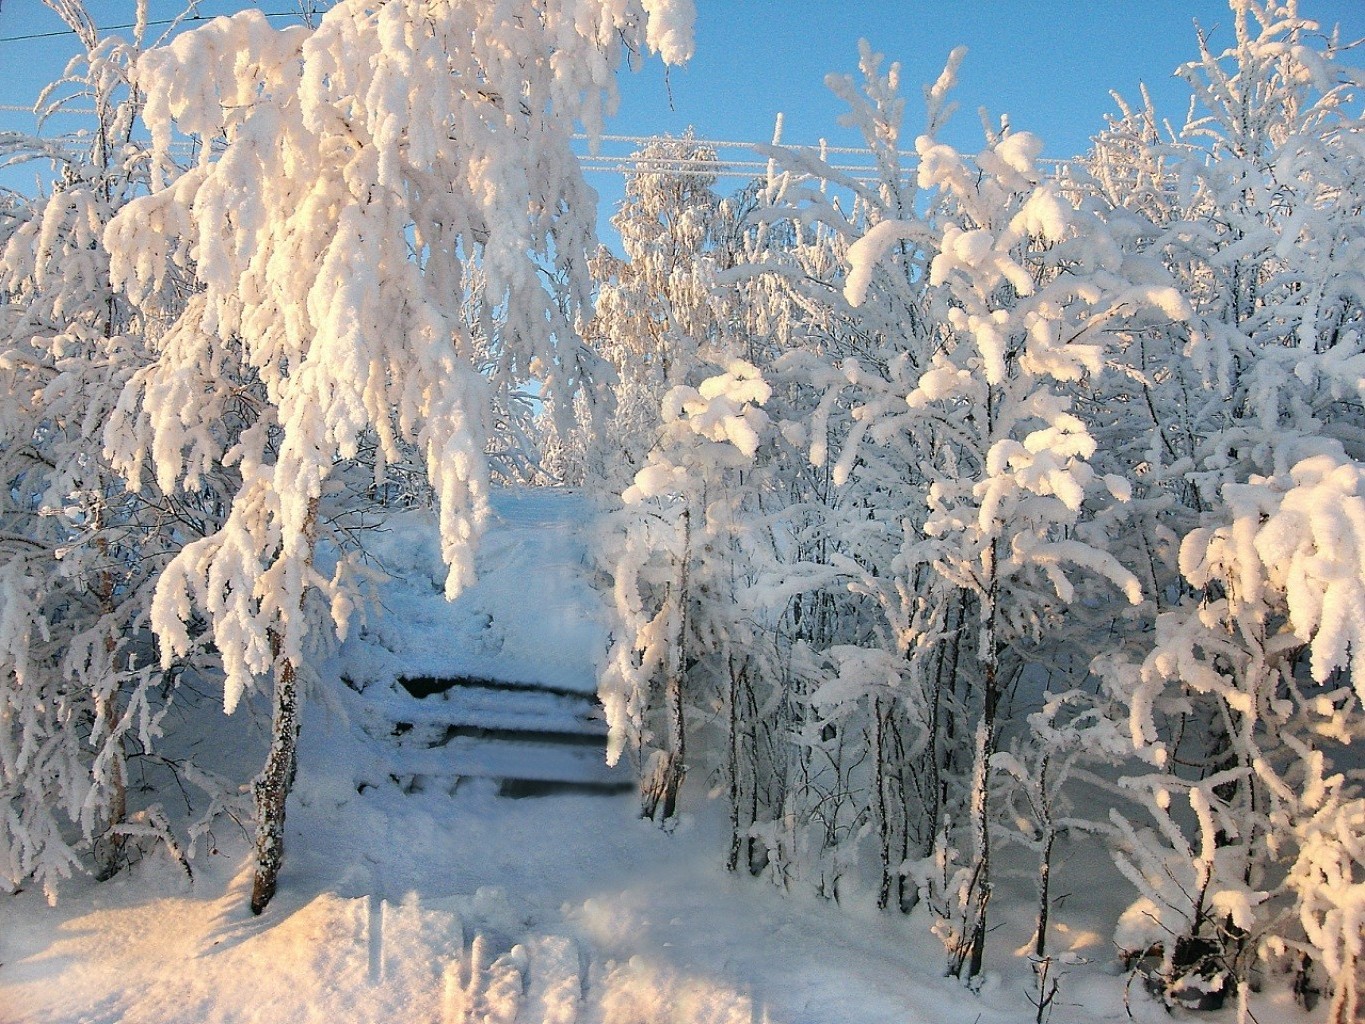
pixel 415 705
pixel 432 732
pixel 543 761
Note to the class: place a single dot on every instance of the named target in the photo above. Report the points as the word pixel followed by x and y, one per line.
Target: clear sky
pixel 1048 64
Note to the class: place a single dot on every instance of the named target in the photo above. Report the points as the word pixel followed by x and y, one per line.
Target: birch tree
pixel 80 691
pixel 1259 215
pixel 346 173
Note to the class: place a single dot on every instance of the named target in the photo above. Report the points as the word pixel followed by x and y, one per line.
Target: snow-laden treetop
pixel 386 222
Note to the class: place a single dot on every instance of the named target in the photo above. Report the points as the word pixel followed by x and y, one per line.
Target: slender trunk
pixel 1044 881
pixel 950 683
pixel 931 761
pixel 979 893
pixel 110 856
pixel 675 765
pixel 110 851
pixel 907 894
pixel 660 789
pixel 271 787
pixel 1044 858
pixel 735 756
pixel 677 723
pixel 762 774
pixel 883 808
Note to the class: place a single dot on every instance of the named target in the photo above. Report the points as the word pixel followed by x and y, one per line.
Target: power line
pixel 638 160
pixel 186 20
pixel 722 144
pixel 19 109
pixel 699 167
pixel 38 35
pixel 648 164
pixel 861 179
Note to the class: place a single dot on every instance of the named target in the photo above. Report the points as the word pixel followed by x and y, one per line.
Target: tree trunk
pixel 109 854
pixel 271 787
pixel 659 792
pixel 1044 859
pixel 737 760
pixel 890 868
pixel 1044 894
pixel 978 893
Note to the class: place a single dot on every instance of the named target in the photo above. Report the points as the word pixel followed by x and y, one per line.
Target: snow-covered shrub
pixel 1241 696
pixel 678 609
pixel 81 692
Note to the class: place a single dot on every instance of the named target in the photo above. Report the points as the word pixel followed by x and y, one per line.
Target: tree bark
pixel 110 851
pixel 889 868
pixel 109 855
pixel 736 760
pixel 660 791
pixel 271 787
pixel 981 784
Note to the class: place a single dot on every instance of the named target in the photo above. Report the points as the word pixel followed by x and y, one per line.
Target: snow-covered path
pixel 469 909
pixel 530 617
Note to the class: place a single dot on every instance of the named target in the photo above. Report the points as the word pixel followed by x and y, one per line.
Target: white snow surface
pixel 530 617
pixel 468 907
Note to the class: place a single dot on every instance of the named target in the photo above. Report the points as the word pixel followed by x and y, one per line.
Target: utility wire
pixel 648 164
pixel 187 20
pixel 722 144
pixel 18 109
pixel 637 140
pixel 861 179
pixel 635 163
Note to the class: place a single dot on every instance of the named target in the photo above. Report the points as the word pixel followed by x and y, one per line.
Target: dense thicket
pixel 1014 501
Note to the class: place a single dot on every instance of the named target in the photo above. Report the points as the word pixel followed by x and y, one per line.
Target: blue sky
pixel 1048 64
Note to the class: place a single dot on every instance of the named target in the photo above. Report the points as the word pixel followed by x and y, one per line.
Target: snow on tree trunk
pixel 663 776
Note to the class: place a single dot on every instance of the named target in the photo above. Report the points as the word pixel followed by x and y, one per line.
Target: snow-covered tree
pixel 657 318
pixel 844 685
pixel 347 173
pixel 675 576
pixel 1020 392
pixel 976 300
pixel 1241 703
pixel 80 690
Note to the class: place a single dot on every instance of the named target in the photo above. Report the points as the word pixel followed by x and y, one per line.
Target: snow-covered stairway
pixel 498 684
pixel 533 739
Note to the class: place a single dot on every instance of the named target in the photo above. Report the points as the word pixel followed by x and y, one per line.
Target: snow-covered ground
pixel 450 903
